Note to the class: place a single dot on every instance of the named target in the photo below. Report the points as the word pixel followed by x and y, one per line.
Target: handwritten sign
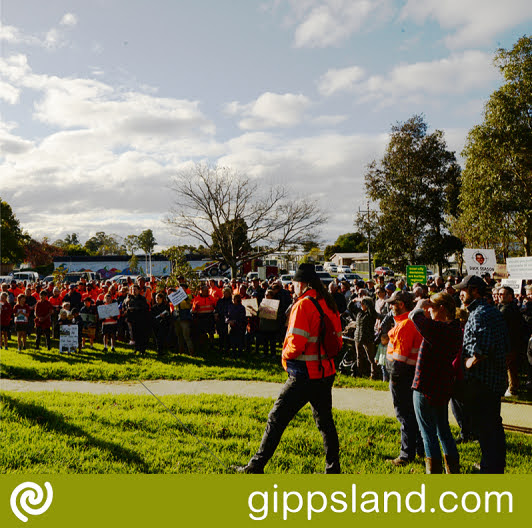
pixel 251 306
pixel 108 310
pixel 268 309
pixel 177 297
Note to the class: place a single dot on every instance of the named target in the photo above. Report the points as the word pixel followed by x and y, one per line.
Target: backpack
pixel 328 338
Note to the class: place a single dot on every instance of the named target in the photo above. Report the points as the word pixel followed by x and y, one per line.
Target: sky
pixel 103 103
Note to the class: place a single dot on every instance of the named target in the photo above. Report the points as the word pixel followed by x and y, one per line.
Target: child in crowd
pixel 109 327
pixel 6 312
pixel 77 320
pixel 380 356
pixel 89 316
pixel 21 313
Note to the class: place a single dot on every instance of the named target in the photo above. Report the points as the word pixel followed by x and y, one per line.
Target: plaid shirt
pixel 486 337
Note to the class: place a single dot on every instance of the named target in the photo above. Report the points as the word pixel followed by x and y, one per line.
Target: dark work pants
pixel 40 331
pixel 487 422
pixel 296 393
pixel 401 388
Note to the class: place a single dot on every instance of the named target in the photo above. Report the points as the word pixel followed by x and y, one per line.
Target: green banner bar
pixel 100 501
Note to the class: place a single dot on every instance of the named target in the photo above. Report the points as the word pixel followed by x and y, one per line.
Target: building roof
pixel 351 255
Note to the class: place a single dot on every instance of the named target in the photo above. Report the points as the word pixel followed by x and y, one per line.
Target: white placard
pixel 515 284
pixel 68 338
pixel 519 268
pixel 268 309
pixel 251 305
pixel 108 310
pixel 177 297
pixel 480 261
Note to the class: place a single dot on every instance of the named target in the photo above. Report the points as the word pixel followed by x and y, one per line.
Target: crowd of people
pixel 464 340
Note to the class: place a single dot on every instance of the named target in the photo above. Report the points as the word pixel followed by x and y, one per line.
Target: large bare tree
pixel 230 213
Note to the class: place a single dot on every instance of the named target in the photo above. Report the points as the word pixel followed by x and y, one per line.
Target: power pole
pixel 368 211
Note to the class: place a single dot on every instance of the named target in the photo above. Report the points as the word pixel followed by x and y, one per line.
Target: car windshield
pixel 323 275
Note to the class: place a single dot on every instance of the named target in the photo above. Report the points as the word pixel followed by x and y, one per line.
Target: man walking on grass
pixel 310 373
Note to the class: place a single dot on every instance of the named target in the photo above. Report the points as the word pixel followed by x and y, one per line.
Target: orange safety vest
pixel 302 337
pixel 404 342
pixel 203 305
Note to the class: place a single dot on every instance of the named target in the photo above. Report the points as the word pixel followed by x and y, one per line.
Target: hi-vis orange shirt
pixel 301 348
pixel 404 342
pixel 203 305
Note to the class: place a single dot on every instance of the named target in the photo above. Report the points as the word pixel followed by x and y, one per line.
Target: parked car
pixel 285 279
pixel 384 270
pixel 75 276
pixel 48 278
pixel 6 278
pixel 343 269
pixel 319 267
pixel 325 277
pixel 252 275
pixel 350 277
pixel 333 268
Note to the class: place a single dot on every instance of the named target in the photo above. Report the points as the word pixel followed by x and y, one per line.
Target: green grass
pixel 124 365
pixel 76 433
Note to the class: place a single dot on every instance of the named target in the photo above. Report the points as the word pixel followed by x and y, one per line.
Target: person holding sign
pixel 160 314
pixel 21 315
pixel 109 326
pixel 269 325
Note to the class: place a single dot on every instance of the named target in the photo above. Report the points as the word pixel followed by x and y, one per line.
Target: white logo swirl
pixel 34 495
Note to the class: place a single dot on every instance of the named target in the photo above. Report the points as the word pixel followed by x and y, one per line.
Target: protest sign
pixel 108 310
pixel 416 274
pixel 68 338
pixel 177 297
pixel 268 309
pixel 515 284
pixel 479 261
pixel 519 268
pixel 251 306
pixel 88 319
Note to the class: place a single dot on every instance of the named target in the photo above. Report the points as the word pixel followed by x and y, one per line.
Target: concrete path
pixel 517 417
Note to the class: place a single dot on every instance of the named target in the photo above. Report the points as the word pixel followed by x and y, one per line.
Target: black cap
pixel 399 295
pixel 471 280
pixel 305 273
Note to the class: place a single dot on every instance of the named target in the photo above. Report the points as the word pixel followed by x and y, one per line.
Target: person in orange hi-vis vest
pixel 310 373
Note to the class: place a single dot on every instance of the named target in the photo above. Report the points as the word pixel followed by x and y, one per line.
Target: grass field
pixel 74 433
pixel 124 365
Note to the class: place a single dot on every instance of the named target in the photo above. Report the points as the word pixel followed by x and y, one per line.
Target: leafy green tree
pixel 146 241
pixel 75 250
pixel 12 239
pixel 416 186
pixel 495 201
pixel 180 267
pixel 131 242
pixel 102 244
pixel 347 243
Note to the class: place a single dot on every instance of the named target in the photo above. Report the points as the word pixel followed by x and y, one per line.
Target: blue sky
pixel 102 103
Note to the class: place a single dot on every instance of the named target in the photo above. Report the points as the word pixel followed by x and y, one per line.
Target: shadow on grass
pixel 53 421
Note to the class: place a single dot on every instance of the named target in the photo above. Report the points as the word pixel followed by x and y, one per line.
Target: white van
pixel 28 276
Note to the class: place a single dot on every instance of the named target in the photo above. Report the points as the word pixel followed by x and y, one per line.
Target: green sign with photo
pixel 416 274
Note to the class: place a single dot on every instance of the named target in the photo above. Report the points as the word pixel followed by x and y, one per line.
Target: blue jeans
pixel 434 424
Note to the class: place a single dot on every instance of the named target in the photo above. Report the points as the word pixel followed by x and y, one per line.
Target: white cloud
pixel 339 80
pixel 329 120
pixel 8 93
pixel 69 20
pixel 475 22
pixel 458 74
pixel 270 110
pixel 322 23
